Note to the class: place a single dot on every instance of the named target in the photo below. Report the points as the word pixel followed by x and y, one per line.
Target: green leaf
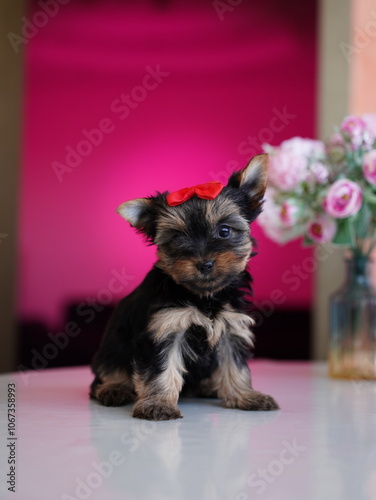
pixel 307 242
pixel 345 235
pixel 372 209
pixel 362 221
pixel 369 196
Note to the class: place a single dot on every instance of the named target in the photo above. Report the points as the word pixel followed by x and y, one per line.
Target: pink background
pixel 226 79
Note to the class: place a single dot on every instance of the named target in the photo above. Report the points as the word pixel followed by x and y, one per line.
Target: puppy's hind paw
pixel 113 395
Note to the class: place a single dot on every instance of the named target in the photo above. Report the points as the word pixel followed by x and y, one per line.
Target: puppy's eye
pixel 224 232
pixel 179 240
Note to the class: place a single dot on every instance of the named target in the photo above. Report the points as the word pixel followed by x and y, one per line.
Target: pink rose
pixel 270 220
pixel 344 198
pixel 289 164
pixel 370 121
pixel 304 147
pixel 289 213
pixel 322 229
pixel 320 172
pixel 286 170
pixel 336 140
pixel 353 129
pixel 369 166
pixel 353 126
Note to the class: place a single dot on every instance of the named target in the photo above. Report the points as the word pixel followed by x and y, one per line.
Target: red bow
pixel 208 191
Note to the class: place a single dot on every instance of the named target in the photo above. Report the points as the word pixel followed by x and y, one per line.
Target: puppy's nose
pixel 205 267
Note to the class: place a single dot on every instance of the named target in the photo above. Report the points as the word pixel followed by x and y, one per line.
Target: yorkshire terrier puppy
pixel 185 329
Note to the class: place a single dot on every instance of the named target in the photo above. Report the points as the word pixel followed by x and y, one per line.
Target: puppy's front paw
pixel 255 401
pixel 113 395
pixel 156 410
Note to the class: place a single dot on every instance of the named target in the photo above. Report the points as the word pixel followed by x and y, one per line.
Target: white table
pixel 321 445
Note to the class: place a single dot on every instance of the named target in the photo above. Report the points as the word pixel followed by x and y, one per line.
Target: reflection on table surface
pixel 321 445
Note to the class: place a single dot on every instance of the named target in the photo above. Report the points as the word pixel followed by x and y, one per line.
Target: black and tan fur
pixel 185 328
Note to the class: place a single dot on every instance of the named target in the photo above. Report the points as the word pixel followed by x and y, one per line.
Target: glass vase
pixel 352 350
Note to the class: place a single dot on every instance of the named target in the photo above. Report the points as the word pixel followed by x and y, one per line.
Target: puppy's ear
pixel 252 182
pixel 253 177
pixel 140 214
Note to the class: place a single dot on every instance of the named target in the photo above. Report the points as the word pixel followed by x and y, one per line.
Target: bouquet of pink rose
pixel 324 192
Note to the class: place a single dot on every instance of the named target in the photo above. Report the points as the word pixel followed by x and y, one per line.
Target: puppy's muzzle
pixel 205 267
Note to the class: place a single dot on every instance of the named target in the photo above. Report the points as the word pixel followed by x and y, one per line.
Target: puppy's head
pixel 204 244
